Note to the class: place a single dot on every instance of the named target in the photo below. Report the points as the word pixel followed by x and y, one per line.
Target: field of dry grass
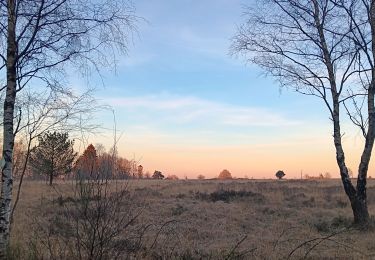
pixel 212 219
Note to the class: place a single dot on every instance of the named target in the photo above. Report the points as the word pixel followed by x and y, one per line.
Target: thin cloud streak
pixel 191 109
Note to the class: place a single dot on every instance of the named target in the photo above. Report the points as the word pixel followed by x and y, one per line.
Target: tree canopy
pixel 225 174
pixel 53 156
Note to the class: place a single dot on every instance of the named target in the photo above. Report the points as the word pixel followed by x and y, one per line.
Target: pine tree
pixel 53 156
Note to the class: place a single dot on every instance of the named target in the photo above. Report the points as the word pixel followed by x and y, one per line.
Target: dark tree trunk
pixel 360 211
pixel 50 179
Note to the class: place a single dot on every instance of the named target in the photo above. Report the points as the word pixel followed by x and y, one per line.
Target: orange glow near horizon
pixel 310 156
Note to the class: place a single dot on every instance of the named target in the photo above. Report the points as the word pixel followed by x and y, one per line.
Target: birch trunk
pixel 8 137
pixel 357 197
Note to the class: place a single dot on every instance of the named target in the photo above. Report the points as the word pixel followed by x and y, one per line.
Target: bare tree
pixel 98 221
pixel 39 112
pixel 38 39
pixel 321 48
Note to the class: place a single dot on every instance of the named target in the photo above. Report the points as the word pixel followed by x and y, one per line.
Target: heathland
pixel 199 219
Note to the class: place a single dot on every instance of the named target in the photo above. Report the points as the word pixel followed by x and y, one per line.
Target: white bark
pixel 8 137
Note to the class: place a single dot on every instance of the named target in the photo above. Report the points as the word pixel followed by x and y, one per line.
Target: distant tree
pixel 140 171
pixel 53 156
pixel 158 175
pixel 123 168
pixel 19 158
pixel 106 165
pixel 100 149
pixel 280 174
pixel 225 175
pixel 86 166
pixel 201 177
pixel 147 175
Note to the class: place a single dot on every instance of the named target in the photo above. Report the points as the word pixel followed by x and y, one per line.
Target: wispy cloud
pixel 193 109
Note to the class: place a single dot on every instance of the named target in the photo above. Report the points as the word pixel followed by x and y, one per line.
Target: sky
pixel 185 106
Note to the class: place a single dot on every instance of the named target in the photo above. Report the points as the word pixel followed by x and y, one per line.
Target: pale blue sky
pixel 181 98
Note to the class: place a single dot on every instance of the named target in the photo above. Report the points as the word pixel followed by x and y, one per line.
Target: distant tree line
pixel 321 176
pixel 53 157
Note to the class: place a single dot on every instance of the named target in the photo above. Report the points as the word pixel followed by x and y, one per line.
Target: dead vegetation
pixel 237 219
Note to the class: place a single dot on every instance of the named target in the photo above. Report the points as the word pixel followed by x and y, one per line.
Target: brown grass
pixel 214 219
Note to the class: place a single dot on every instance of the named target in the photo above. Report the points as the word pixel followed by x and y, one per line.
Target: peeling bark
pixel 357 197
pixel 8 137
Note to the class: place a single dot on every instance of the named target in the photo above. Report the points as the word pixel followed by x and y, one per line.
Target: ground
pixel 249 219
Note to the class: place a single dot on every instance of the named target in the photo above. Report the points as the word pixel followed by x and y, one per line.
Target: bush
pixel 229 195
pixel 225 175
pixel 201 177
pixel 178 210
pixel 336 223
pixel 157 175
pixel 98 222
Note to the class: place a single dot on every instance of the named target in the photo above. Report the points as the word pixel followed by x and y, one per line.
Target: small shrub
pixel 337 223
pixel 229 195
pixel 61 200
pixel 341 222
pixel 268 211
pixel 309 203
pixel 180 196
pixel 296 197
pixel 322 226
pixel 341 204
pixel 201 177
pixel 178 210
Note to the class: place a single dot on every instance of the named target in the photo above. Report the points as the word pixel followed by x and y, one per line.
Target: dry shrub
pixel 146 191
pixel 335 239
pixel 98 222
pixel 229 195
pixel 337 223
pixel 199 229
pixel 178 210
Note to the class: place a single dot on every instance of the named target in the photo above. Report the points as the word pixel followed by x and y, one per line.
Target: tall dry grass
pixel 234 219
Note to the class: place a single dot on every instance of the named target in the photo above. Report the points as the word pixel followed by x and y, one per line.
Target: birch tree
pixel 321 48
pixel 39 41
